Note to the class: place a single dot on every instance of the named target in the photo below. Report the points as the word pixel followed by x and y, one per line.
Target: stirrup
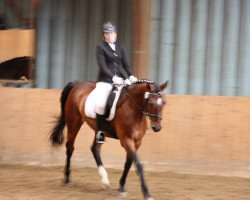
pixel 100 137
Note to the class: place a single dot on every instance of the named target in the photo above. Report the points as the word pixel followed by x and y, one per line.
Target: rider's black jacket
pixel 111 62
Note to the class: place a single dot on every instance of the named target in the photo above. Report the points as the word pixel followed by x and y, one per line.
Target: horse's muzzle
pixel 156 128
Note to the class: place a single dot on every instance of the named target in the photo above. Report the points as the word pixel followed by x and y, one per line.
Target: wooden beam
pixel 141 40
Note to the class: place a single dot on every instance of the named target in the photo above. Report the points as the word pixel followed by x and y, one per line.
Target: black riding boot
pixel 100 135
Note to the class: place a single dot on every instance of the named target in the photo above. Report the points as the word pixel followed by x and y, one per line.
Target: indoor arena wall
pixel 200 134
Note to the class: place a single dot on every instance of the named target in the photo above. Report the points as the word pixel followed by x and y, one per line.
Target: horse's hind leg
pixel 72 133
pixel 95 148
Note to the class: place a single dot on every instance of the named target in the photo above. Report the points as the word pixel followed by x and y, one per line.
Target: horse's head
pixel 153 104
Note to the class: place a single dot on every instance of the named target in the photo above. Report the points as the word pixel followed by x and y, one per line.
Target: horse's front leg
pixel 131 149
pixel 95 148
pixel 127 166
pixel 140 171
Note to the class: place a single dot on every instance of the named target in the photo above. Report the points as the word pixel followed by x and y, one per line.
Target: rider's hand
pixel 117 80
pixel 133 79
pixel 127 82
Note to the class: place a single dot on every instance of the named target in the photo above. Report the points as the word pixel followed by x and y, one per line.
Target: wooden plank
pixel 16 43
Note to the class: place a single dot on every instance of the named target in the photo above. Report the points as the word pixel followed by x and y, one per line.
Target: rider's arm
pixel 100 57
pixel 125 62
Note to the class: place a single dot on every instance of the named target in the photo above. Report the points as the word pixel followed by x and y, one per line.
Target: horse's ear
pixel 164 85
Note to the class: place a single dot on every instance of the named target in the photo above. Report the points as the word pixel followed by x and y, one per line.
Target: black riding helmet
pixel 108 27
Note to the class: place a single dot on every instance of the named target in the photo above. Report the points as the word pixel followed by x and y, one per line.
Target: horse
pixel 16 68
pixel 140 100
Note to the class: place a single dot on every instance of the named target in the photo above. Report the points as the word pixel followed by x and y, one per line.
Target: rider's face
pixel 110 37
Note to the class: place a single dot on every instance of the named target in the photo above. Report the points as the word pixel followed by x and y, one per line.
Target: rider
pixel 111 58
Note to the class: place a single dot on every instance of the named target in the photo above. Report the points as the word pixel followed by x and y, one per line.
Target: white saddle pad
pixel 91 103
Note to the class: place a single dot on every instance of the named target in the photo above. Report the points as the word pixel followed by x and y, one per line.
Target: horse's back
pixel 82 89
pixel 79 94
pixel 85 86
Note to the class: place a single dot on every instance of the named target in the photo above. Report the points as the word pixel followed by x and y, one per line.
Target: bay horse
pixel 143 98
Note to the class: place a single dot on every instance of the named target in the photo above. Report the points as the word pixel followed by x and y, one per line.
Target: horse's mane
pixel 140 81
pixel 144 81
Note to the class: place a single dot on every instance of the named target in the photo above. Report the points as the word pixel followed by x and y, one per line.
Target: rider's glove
pixel 117 80
pixel 127 82
pixel 133 79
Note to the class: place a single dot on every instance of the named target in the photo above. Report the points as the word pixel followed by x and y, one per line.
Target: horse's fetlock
pixel 122 183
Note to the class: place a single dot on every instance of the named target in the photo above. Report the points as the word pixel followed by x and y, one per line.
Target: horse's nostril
pixel 156 129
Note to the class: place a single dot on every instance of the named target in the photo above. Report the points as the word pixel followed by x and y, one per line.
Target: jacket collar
pixel 109 47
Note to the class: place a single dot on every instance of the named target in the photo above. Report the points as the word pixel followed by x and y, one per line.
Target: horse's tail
pixel 56 134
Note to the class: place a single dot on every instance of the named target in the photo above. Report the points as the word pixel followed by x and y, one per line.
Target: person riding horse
pixel 112 59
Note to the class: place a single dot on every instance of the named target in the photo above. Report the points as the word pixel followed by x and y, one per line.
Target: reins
pixel 140 107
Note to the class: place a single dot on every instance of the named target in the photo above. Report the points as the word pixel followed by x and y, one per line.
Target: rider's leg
pixel 103 90
pixel 100 121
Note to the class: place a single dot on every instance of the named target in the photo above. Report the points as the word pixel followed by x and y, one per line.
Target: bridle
pixel 146 97
pixel 143 108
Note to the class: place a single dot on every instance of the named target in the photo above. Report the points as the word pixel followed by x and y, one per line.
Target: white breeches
pixel 102 90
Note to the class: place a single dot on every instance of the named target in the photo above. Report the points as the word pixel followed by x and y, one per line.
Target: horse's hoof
pixel 123 194
pixel 66 181
pixel 148 198
pixel 105 185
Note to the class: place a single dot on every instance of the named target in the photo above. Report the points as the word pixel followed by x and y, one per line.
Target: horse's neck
pixel 137 93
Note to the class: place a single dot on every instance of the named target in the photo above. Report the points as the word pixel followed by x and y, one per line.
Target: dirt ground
pixel 20 182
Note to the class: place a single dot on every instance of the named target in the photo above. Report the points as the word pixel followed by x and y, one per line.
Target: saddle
pixel 110 107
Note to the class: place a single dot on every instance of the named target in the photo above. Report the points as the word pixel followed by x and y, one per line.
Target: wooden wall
pixel 201 134
pixel 16 43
